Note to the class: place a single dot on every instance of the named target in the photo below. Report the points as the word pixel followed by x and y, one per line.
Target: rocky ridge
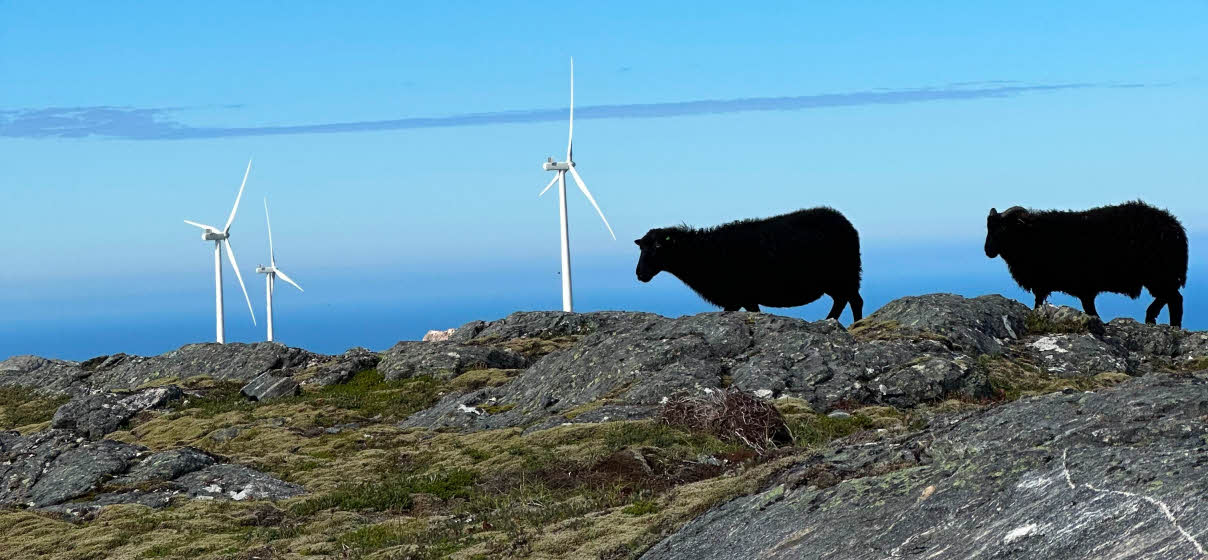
pixel 1011 432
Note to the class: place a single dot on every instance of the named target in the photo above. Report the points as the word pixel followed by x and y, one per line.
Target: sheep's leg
pixel 836 308
pixel 1151 313
pixel 1040 297
pixel 1175 305
pixel 752 308
pixel 857 307
pixel 1088 305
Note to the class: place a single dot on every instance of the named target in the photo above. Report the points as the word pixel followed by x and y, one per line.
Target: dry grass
pixel 730 415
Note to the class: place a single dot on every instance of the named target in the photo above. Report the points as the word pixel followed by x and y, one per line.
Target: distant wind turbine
pixel 271 272
pixel 561 167
pixel 220 238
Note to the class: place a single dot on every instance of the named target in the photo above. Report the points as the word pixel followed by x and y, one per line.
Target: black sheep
pixel 1117 249
pixel 783 261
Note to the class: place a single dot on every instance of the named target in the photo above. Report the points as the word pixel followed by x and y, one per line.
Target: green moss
pixel 370 394
pixel 816 430
pixel 497 408
pixel 392 493
pixel 1015 378
pixel 1037 323
pixel 219 398
pixel 479 378
pixel 21 406
pixel 866 330
pixel 641 507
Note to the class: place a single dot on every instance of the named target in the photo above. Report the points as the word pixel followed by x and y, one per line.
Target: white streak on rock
pixel 1048 344
pixel 1019 533
pixel 1165 509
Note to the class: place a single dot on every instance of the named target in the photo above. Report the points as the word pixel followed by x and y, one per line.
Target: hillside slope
pixel 938 427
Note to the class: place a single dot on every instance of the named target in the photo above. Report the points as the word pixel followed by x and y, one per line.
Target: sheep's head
pixel 999 228
pixel 657 246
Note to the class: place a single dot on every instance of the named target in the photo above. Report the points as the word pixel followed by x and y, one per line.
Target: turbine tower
pixel 220 238
pixel 271 272
pixel 562 167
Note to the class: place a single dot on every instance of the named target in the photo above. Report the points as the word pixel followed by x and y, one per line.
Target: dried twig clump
pixel 731 415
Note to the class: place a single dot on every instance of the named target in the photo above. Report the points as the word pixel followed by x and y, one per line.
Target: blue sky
pixel 400 147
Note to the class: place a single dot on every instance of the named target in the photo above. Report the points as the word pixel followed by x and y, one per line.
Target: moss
pixel 866 330
pixel 497 409
pixel 479 378
pixel 370 394
pixel 583 409
pixel 217 398
pixel 393 493
pixel 816 430
pixel 1015 378
pixel 641 507
pixel 609 397
pixel 531 347
pixel 1038 323
pixel 22 407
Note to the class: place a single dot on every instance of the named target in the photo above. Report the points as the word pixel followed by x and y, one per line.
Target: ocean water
pixel 340 310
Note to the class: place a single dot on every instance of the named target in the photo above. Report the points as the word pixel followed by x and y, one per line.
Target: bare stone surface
pixel 1113 474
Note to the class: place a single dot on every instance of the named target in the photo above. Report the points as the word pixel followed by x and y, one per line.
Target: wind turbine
pixel 561 167
pixel 271 272
pixel 220 238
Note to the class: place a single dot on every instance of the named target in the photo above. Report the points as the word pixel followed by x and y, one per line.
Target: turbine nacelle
pixel 551 165
pixel 214 235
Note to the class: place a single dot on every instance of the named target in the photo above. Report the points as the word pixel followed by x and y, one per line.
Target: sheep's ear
pixel 637 242
pixel 993 212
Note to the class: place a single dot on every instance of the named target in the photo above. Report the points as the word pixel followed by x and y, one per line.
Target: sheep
pixel 782 261
pixel 1117 249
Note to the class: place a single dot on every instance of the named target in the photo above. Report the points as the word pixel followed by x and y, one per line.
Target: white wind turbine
pixel 561 167
pixel 220 238
pixel 271 272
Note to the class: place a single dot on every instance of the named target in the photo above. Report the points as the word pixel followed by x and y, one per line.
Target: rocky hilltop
pixel 937 427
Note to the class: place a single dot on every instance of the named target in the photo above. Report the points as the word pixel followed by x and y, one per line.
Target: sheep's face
pixel 1001 229
pixel 655 246
pixel 994 227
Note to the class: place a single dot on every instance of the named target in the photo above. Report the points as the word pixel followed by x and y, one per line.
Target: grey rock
pixel 1070 355
pixel 980 325
pixel 236 482
pixel 228 362
pixel 96 415
pixel 444 360
pixel 1063 319
pixel 54 466
pixel 166 465
pixel 542 324
pixel 268 386
pixel 341 368
pixel 223 435
pixel 87 509
pixel 839 414
pixel 46 470
pixel 631 362
pixel 1113 474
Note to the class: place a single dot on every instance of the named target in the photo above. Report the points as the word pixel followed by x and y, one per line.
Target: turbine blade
pixel 231 257
pixel 281 274
pixel 551 183
pixel 272 257
pixel 202 226
pixel 237 197
pixel 570 139
pixel 587 193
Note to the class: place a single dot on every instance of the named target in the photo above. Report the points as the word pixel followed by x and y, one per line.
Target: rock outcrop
pixel 93 416
pixel 979 428
pixel 1113 474
pixel 53 468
